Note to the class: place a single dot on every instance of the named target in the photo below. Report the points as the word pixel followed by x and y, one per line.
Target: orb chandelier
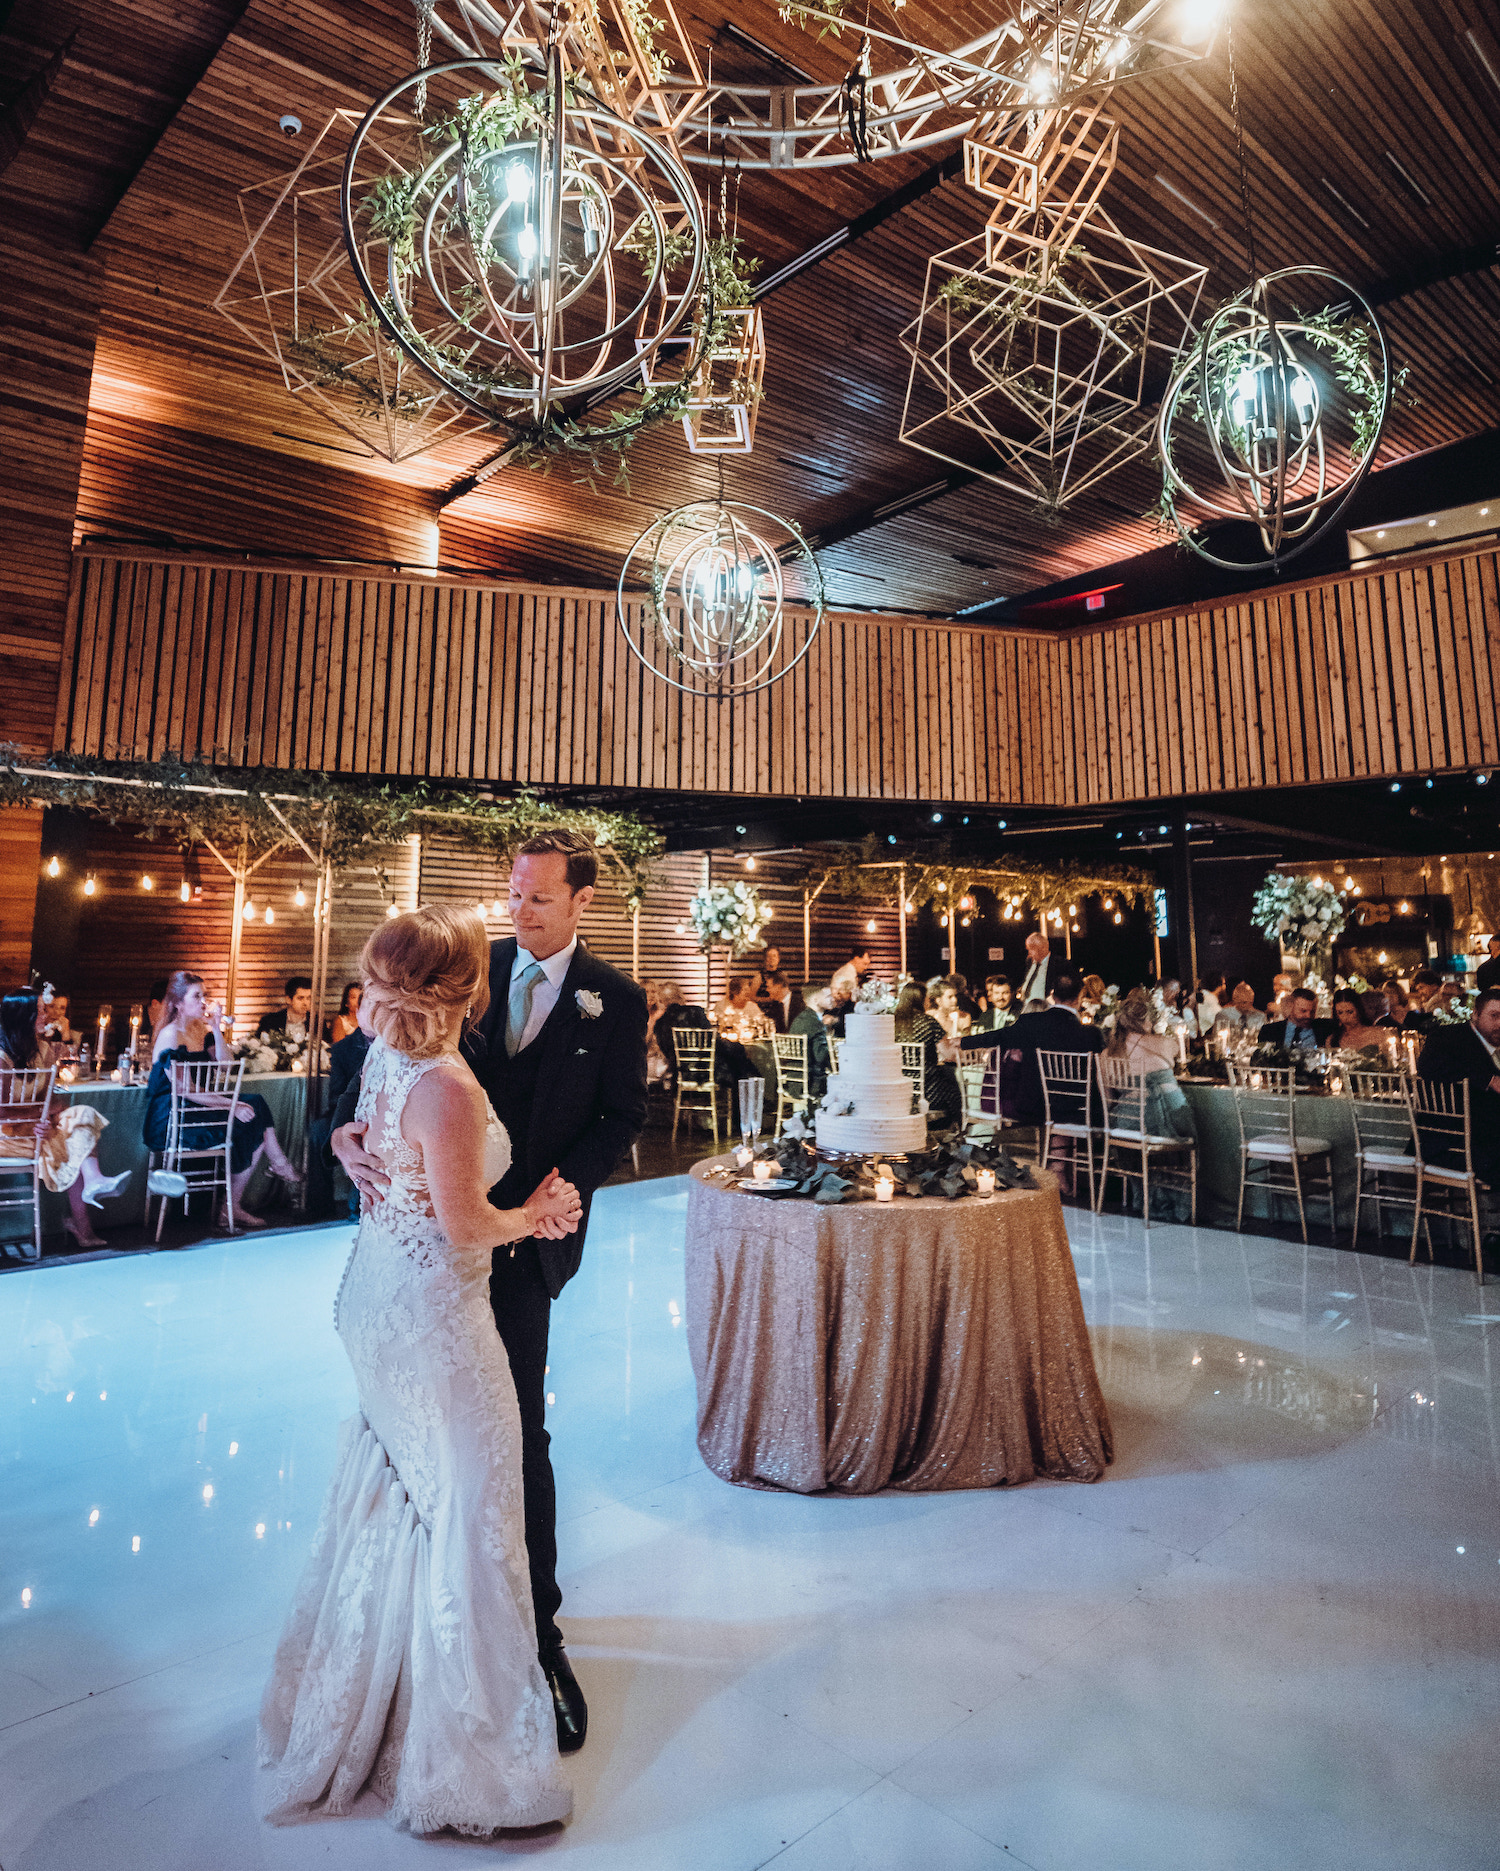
pixel 518 240
pixel 1285 407
pixel 726 610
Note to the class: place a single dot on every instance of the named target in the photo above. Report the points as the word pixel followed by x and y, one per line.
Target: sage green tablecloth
pixel 1318 1115
pixel 121 1147
pixel 919 1345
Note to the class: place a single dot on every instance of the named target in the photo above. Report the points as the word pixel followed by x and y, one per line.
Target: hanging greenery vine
pixel 188 803
pixel 868 872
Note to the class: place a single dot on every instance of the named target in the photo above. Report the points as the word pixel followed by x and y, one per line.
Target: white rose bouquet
pixel 1301 914
pixel 731 916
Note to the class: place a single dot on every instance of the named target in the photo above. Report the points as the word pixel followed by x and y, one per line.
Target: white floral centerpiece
pixel 257 1055
pixel 876 997
pixel 1164 1019
pixel 1302 914
pixel 729 915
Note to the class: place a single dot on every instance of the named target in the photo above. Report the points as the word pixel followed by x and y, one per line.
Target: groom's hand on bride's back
pixel 365 1170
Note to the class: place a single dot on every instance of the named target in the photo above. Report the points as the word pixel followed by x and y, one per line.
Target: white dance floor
pixel 1270 1638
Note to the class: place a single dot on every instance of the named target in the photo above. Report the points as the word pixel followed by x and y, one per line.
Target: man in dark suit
pixel 561 1053
pixel 782 1003
pixel 1489 971
pixel 293 1015
pixel 1299 1028
pixel 346 1061
pixel 1058 1029
pixel 1472 1051
pixel 677 1012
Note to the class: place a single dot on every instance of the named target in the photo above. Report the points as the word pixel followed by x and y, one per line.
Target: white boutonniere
pixel 589 1003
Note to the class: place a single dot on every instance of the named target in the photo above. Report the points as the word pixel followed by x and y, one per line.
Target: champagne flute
pixel 752 1109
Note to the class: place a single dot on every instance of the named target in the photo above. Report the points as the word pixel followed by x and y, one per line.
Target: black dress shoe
pixel 567 1700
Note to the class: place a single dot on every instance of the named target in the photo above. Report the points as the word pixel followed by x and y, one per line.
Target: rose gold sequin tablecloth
pixel 921 1345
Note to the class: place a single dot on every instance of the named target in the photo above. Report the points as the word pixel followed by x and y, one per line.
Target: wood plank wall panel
pixel 20 861
pixel 48 315
pixel 1383 673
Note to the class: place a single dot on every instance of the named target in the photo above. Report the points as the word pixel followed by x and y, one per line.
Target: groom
pixel 563 1060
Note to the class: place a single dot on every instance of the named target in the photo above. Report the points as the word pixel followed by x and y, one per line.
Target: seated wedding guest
pixel 291 1019
pixel 1092 997
pixel 657 1067
pixel 1450 995
pixel 1209 1004
pixel 1471 1050
pixel 739 1007
pixel 846 980
pixel 346 1020
pixel 58 1030
pixel 193 1033
pixel 1300 1027
pixel 942 1002
pixel 1396 1003
pixel 1489 971
pixel 70 1143
pixel 1051 1029
pixel 999 1004
pixel 782 1003
pixel 1171 996
pixel 1168 1113
pixel 1351 1030
pixel 810 1023
pixel 676 1011
pixel 916 1025
pixel 1426 985
pixel 1241 1015
pixel 1280 1003
pixel 156 1003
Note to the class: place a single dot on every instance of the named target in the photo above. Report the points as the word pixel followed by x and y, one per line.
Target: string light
pixel 1118 917
pixel 248 912
pixel 184 890
pixel 148 882
pixel 299 897
pixel 54 869
pixel 89 886
pixel 749 864
pixel 392 910
pixel 270 914
pixel 870 927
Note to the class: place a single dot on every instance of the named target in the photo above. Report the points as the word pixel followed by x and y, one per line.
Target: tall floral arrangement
pixel 1302 914
pixel 731 916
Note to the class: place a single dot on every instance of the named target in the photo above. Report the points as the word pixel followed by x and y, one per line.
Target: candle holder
pixel 885 1188
pixel 986 1180
pixel 763 1171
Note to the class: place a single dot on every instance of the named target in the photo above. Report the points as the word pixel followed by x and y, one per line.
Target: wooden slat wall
pixel 20 859
pixel 1382 673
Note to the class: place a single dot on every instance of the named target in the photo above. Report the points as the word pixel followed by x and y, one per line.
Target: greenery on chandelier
pixel 188 803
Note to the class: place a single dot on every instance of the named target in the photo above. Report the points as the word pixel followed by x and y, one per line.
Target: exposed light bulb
pixel 148 882
pixel 89 886
pixel 54 869
pixel 1109 903
pixel 248 912
pixel 749 864
pixel 870 928
pixel 392 910
pixel 518 182
pixel 184 891
pixel 526 244
pixel 270 914
pixel 1118 917
pixel 299 897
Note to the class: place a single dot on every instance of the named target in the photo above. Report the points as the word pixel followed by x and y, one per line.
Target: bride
pixel 409 1661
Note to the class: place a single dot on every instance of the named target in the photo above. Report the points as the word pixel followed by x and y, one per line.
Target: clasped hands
pixel 554 1207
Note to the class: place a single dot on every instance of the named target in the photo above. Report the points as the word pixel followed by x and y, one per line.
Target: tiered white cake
pixel 870 1080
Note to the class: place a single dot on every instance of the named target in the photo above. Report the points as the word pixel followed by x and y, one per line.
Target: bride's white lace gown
pixel 409 1660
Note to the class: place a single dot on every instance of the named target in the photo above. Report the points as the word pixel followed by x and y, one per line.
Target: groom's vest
pixel 511 1091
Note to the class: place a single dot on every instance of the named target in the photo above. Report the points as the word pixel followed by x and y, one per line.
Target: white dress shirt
pixel 545 992
pixel 1233 1021
pixel 1034 986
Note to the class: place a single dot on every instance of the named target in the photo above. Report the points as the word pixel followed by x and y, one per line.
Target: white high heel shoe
pixel 105 1187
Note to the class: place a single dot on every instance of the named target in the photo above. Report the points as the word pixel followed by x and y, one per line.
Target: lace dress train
pixel 409 1663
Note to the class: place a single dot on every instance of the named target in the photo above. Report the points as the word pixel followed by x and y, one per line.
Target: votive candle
pixel 885 1188
pixel 744 1156
pixel 762 1172
pixel 986 1182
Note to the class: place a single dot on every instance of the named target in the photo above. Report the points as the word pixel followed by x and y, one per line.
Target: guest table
pixel 121 1147
pixel 920 1344
pixel 1319 1114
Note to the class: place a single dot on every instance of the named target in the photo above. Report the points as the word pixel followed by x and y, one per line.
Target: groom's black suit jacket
pixel 588 1105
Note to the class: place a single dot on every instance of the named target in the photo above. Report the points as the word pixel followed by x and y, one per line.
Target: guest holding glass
pixel 70 1141
pixel 1352 1031
pixel 346 1020
pixel 192 1033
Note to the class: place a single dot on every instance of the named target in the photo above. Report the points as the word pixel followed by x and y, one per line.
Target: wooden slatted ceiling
pixel 1385 673
pixel 1326 92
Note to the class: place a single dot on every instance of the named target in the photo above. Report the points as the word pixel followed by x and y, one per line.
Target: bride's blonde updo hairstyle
pixel 423 973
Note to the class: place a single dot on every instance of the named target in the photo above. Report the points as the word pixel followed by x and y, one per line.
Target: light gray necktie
pixel 522 987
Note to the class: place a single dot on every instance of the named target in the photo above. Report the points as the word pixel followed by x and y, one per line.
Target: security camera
pixel 291 126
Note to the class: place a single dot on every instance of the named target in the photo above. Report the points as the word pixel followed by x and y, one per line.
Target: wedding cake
pixel 868 1107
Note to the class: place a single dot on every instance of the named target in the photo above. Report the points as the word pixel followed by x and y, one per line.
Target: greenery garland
pixel 190 803
pixel 867 872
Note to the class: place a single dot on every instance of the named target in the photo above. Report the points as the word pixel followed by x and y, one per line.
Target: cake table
pixel 921 1344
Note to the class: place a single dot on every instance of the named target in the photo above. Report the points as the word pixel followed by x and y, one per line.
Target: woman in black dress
pixel 915 1025
pixel 191 1032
